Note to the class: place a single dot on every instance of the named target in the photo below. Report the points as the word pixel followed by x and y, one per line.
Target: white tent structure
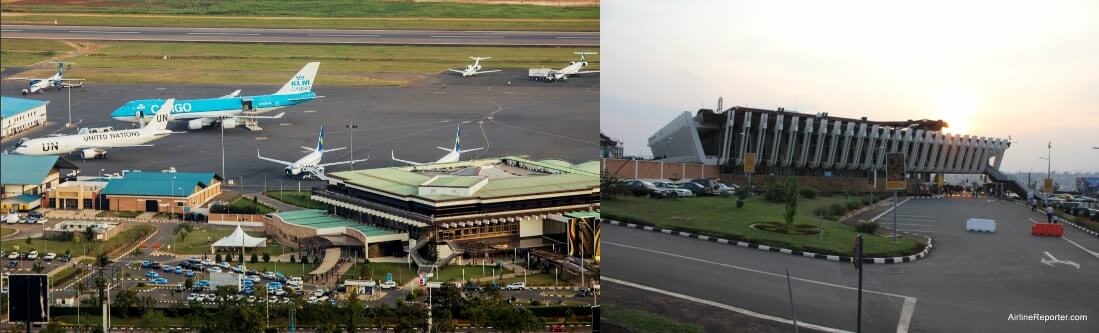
pixel 239 239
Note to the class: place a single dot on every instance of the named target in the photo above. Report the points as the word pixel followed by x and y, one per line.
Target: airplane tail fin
pixel 60 69
pixel 160 121
pixel 582 54
pixel 458 139
pixel 302 81
pixel 320 140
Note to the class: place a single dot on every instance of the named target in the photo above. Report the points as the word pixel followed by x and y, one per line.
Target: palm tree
pixel 80 287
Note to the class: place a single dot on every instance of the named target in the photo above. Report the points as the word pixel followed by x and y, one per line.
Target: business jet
pixel 94 144
pixel 452 154
pixel 310 166
pixel 230 110
pixel 474 69
pixel 57 80
pixel 573 69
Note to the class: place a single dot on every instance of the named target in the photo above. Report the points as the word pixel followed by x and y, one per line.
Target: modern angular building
pixel 800 144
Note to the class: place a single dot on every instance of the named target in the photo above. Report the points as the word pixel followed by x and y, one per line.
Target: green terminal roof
pixel 454 181
pixel 159 183
pixel 25 170
pixel 10 106
pixel 403 181
pixel 319 219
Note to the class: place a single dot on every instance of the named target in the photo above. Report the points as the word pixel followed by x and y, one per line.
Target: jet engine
pixel 197 124
pixel 91 153
pixel 229 123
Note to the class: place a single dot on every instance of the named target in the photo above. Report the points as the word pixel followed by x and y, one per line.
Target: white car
pixel 33 255
pixel 269 275
pixel 50 256
pixel 208 263
pixel 294 281
pixel 14 255
pixel 311 299
pixel 520 285
pixel 192 297
pixel 224 265
pixel 678 191
pixel 279 292
pixel 254 278
pixel 318 292
pixel 388 285
pixel 214 269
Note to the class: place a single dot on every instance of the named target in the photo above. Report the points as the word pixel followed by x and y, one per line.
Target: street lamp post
pixel 70 105
pixel 351 128
pixel 172 204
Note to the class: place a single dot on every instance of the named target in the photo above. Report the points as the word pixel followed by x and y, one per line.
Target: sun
pixel 957 109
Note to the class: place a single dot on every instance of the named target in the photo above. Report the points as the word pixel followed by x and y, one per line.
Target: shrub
pixel 853 205
pixel 838 209
pixel 217 257
pixel 822 211
pixel 266 257
pixel 293 258
pixel 253 258
pixel 809 193
pixel 866 227
pixel 865 201
pixel 774 192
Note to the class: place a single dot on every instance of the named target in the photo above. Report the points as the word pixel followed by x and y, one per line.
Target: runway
pixel 539 119
pixel 303 36
pixel 971 282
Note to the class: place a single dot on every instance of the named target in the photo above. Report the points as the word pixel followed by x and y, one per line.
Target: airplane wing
pixel 68 79
pixel 235 93
pixel 272 160
pixel 334 149
pixel 393 157
pixel 492 71
pixel 456 71
pixel 587 72
pixel 444 149
pixel 22 78
pixel 277 116
pixel 343 162
pixel 308 148
pixel 469 150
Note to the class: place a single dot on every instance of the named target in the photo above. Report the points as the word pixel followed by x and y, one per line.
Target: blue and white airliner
pixel 228 110
pixel 309 166
pixel 452 154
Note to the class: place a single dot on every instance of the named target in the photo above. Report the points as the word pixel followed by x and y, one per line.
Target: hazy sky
pixel 1029 70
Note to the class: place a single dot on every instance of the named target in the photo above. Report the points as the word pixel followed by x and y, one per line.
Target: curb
pixel 1058 218
pixel 829 257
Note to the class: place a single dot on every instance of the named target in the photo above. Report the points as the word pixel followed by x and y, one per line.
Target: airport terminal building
pixel 498 202
pixel 790 143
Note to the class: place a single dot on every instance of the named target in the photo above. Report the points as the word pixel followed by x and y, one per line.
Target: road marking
pixel 579 37
pixel 1052 260
pixel 10 30
pixel 326 35
pixel 309 111
pixel 1093 253
pixel 104 32
pixel 906 314
pixel 222 33
pixel 890 209
pixel 722 305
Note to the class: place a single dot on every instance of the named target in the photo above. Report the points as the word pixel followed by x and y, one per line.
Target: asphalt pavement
pixel 971 282
pixel 303 36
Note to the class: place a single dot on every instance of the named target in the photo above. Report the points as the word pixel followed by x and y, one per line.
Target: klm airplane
pixel 228 110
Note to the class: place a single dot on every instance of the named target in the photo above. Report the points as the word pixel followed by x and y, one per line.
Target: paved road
pixel 304 36
pixel 971 281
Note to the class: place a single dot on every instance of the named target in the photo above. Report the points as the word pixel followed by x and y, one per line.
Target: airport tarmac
pixel 540 119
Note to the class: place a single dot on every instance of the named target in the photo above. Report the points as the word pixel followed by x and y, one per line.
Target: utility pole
pixel 858 266
pixel 351 128
pixel 793 309
pixel 223 175
pixel 70 104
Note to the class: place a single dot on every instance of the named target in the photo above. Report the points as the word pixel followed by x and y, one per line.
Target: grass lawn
pixel 377 271
pixel 22 52
pixel 300 199
pixel 338 14
pixel 6 231
pixel 285 268
pixel 268 64
pixel 454 272
pixel 65 275
pixel 719 217
pixel 242 204
pixel 539 280
pixel 93 319
pixel 642 321
pixel 126 238
pixel 198 241
pixel 113 213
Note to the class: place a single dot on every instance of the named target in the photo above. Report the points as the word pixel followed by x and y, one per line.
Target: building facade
pixel 171 192
pixel 18 115
pixel 23 177
pixel 75 195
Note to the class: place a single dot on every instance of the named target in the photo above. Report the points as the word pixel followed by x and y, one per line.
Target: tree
pixel 266 257
pixel 354 311
pixel 253 258
pixel 217 257
pixel 189 283
pixel 293 259
pixel 154 321
pixel 791 202
pixel 38 268
pixel 101 260
pixel 125 300
pixel 53 327
pixel 27 240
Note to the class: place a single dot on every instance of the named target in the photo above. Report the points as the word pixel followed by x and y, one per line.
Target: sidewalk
pixel 276 204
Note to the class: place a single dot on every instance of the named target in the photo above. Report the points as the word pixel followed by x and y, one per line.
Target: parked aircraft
pixel 574 68
pixel 57 80
pixel 230 110
pixel 94 143
pixel 453 154
pixel 474 69
pixel 310 165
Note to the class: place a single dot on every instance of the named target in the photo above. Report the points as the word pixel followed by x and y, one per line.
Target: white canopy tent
pixel 239 239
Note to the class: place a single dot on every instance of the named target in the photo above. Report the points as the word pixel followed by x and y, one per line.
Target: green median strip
pixel 642 321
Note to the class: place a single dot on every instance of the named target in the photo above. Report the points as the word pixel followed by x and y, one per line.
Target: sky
pixel 1024 70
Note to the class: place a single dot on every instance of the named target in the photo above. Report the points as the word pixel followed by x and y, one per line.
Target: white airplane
pixel 57 80
pixel 310 165
pixel 93 144
pixel 452 154
pixel 574 68
pixel 474 69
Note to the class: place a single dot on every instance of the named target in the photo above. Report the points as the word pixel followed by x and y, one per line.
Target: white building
pixel 20 114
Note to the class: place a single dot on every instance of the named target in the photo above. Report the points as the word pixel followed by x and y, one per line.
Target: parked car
pixel 13 255
pixel 192 297
pixel 518 285
pixel 675 189
pixel 168 269
pixel 202 283
pixel 388 285
pixel 12 264
pixel 640 187
pixel 269 275
pixel 584 292
pixel 214 269
pixel 295 281
pixel 35 214
pixel 178 270
pixel 697 189
pixel 65 258
pixel 49 256
pixel 159 280
pixel 151 275
pixel 145 264
pixel 154 265
pixel 32 255
pixel 189 273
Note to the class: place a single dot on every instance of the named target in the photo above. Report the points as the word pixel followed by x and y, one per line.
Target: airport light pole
pixel 351 128
pixel 70 105
pixel 223 175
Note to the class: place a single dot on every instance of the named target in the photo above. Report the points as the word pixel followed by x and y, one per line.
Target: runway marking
pixel 455 36
pixel 917 224
pixel 286 124
pixel 328 35
pixel 309 111
pixel 261 138
pixel 104 32
pixel 222 33
pixel 719 305
pixel 579 37
pixel 10 30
